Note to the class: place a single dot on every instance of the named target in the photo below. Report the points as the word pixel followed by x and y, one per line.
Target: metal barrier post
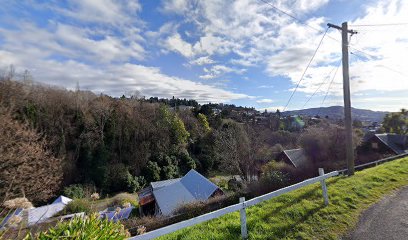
pixel 244 230
pixel 324 187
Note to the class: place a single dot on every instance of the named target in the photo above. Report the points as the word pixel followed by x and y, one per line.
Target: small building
pixel 294 157
pixel 388 143
pixel 163 197
pixel 42 214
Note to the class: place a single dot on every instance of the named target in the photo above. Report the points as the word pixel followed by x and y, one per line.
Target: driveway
pixel 387 219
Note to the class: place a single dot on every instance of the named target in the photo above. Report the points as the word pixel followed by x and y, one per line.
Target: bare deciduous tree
pixel 25 164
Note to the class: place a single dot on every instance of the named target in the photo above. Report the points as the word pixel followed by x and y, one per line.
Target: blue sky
pixel 242 52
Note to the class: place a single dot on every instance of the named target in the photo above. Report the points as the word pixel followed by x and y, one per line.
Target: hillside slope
pixel 302 215
pixel 337 112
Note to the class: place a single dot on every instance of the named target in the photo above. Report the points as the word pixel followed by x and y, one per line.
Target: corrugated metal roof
pixel 397 143
pixel 199 186
pixel 62 199
pixel 41 214
pixel 160 184
pixel 297 157
pixel 171 197
pixel 192 187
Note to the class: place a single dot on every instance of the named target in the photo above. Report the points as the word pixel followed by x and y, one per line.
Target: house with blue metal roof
pixel 164 197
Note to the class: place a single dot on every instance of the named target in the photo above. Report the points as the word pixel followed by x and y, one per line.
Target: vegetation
pixel 121 144
pixel 26 166
pixel 92 227
pixel 396 122
pixel 325 145
pixel 78 206
pixel 302 214
pixel 74 191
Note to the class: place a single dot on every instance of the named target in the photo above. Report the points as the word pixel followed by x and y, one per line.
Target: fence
pixel 241 206
pixel 365 165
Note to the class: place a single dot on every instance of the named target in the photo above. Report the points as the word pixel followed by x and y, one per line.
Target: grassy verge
pixel 302 214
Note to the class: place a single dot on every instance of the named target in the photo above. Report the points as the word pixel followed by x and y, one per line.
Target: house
pixel 389 143
pixel 294 157
pixel 163 197
pixel 41 214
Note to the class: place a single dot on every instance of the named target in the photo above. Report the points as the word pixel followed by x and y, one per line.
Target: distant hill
pixel 337 112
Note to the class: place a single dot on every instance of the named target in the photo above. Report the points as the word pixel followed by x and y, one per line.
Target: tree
pixel 396 122
pixel 325 144
pixel 26 166
pixel 152 172
pixel 232 148
pixel 203 121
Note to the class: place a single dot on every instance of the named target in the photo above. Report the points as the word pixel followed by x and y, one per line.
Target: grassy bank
pixel 302 214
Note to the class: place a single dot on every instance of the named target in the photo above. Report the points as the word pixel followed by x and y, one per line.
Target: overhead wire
pixel 310 26
pixel 291 15
pixel 320 85
pixel 328 89
pixel 381 65
pixel 304 72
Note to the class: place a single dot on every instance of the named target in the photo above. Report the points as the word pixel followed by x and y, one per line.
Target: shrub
pixel 119 179
pixel 122 198
pixel 74 191
pixel 77 206
pixel 91 227
pixel 197 208
pixel 152 171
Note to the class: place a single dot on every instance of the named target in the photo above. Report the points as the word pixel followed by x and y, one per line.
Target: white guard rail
pixel 239 207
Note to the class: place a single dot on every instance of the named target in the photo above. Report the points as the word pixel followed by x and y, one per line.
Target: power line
pixel 291 15
pixel 328 89
pixel 317 89
pixel 307 67
pixel 381 65
pixel 314 28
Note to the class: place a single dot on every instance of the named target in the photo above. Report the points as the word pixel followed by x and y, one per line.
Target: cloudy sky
pixel 234 51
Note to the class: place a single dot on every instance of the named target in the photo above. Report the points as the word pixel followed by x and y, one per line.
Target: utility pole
pixel 346 94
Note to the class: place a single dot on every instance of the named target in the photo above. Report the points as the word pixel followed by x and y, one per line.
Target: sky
pixel 242 52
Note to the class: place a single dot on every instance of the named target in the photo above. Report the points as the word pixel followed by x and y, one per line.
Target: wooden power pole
pixel 346 94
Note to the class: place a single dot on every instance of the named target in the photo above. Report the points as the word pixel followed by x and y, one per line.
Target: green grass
pixel 302 215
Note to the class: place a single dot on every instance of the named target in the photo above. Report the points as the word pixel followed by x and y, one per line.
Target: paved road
pixel 387 219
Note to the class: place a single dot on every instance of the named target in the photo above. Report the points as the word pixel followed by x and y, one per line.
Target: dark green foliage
pixel 186 163
pixel 136 183
pixel 152 171
pixel 97 169
pixel 74 191
pixel 77 206
pixel 396 122
pixel 118 179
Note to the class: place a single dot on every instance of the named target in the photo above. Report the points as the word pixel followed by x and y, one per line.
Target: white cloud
pixel 387 71
pixel 266 86
pixel 202 61
pixel 100 56
pixel 101 11
pixel 265 100
pixel 116 79
pixel 218 70
pixel 177 44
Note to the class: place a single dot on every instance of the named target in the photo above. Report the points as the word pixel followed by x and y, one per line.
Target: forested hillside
pixel 120 144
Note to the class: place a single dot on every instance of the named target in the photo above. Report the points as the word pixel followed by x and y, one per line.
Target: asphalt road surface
pixel 387 219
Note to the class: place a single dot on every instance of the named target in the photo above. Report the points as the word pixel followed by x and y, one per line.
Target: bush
pixel 152 171
pixel 122 198
pixel 74 191
pixel 91 227
pixel 77 206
